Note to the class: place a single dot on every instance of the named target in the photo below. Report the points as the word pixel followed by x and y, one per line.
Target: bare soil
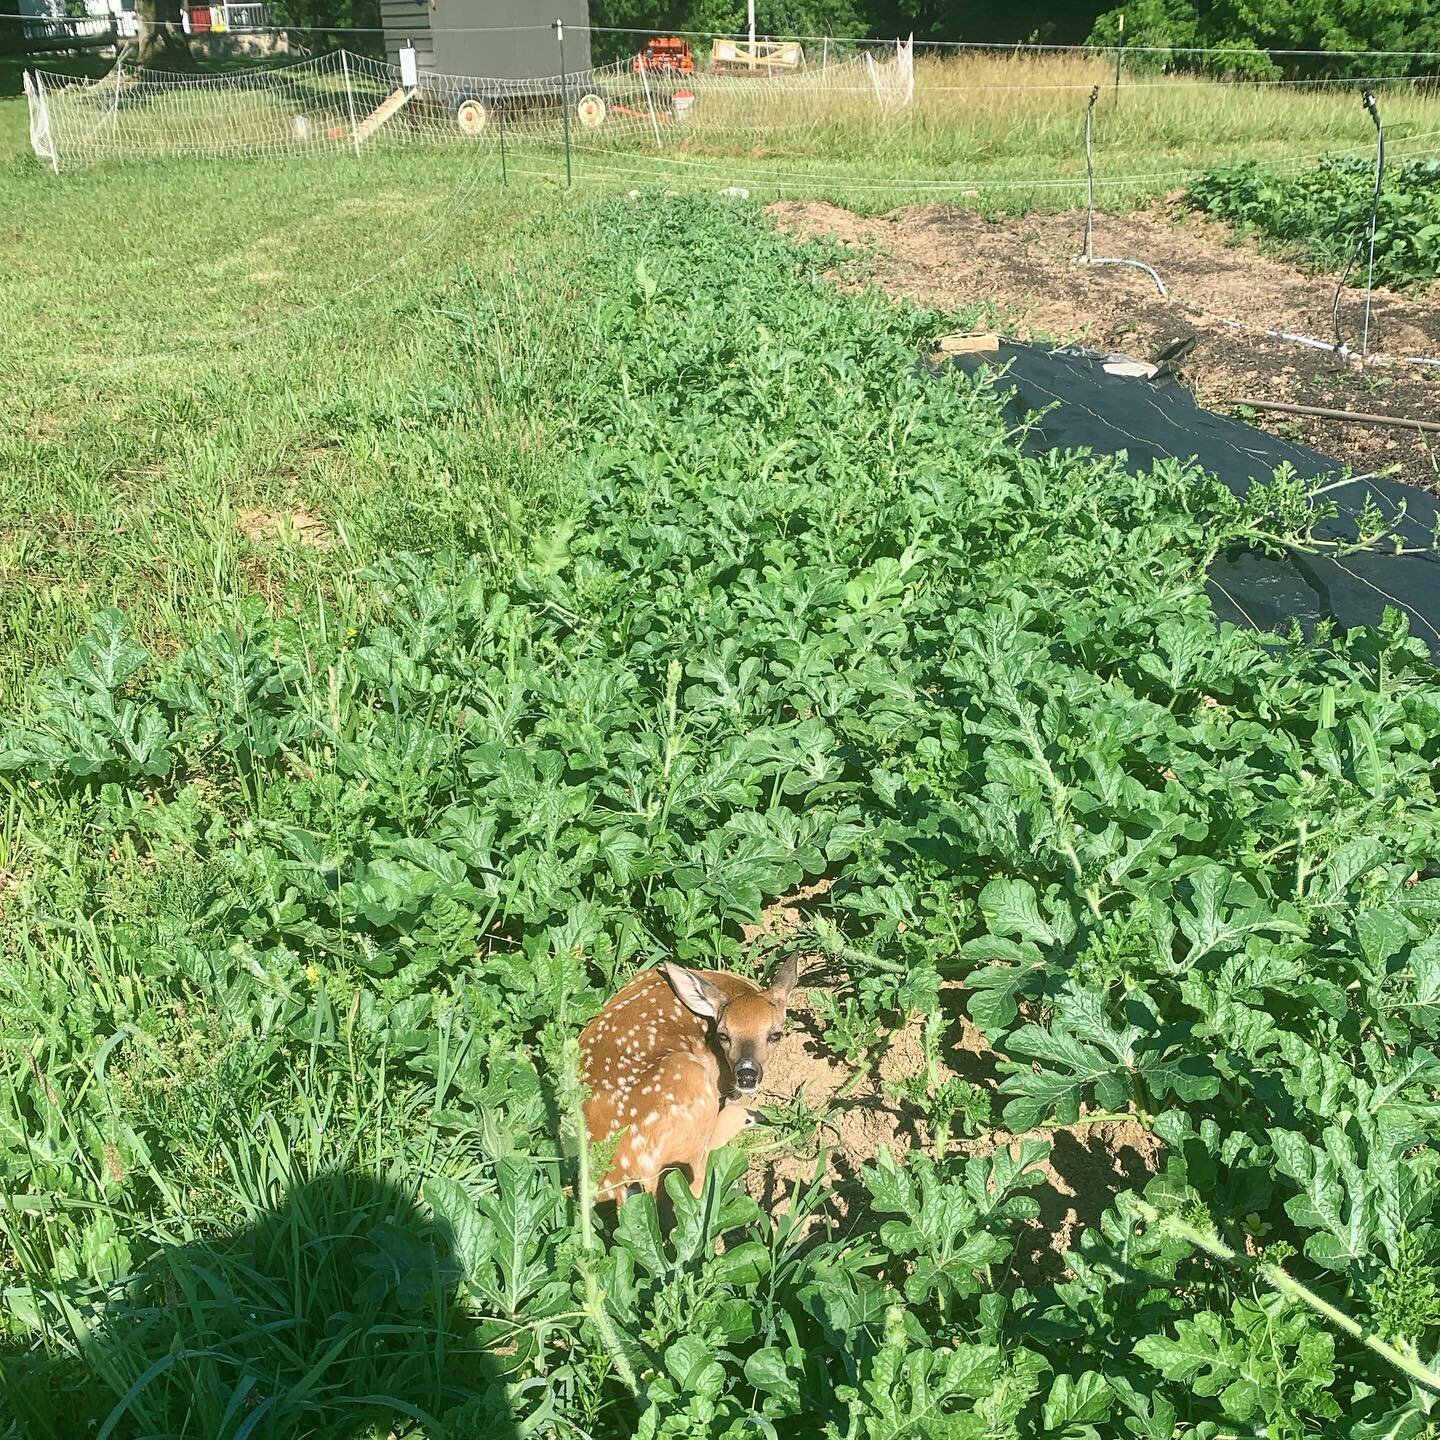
pixel 1088 1164
pixel 1023 272
pixel 260 526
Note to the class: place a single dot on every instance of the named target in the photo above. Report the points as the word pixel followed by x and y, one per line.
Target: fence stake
pixel 1374 109
pixel 500 121
pixel 564 99
pixel 1090 177
pixel 350 102
pixel 1354 417
pixel 650 102
pixel 1089 257
pixel 1119 52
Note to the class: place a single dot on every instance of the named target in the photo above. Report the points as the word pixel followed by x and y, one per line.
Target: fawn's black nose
pixel 747 1075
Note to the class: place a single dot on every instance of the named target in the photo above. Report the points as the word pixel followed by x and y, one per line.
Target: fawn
pixel 660 1061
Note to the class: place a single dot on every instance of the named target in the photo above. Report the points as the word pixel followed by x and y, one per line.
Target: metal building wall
pixel 491 38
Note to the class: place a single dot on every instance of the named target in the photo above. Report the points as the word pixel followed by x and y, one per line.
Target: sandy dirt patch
pixel 262 526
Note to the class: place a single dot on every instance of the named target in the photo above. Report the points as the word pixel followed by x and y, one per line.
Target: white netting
pixel 349 102
pixel 130 113
pixel 40 141
pixel 894 79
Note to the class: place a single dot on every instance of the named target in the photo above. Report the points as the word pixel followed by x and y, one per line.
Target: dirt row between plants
pixel 1088 1164
pixel 856 1115
pixel 1023 271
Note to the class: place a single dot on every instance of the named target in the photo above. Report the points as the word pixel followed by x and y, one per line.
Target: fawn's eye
pixel 775 1036
pixel 723 1036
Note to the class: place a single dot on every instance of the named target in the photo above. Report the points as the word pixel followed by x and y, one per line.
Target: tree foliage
pixel 1328 28
pixel 1240 28
pixel 330 23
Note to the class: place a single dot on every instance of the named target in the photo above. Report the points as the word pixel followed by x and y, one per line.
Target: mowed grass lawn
pixel 221 378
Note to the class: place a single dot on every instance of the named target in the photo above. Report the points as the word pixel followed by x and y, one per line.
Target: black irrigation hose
pixel 1368 100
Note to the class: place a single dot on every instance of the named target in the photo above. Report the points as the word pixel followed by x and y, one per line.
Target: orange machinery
pixel 666 55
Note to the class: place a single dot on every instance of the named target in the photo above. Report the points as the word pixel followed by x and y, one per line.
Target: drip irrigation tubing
pixel 1323 412
pixel 1089 258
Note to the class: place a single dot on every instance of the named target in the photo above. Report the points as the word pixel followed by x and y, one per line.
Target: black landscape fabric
pixel 1154 420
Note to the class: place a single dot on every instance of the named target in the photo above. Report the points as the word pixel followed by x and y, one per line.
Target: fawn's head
pixel 746 1026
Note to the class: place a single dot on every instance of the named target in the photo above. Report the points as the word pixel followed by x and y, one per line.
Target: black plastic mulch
pixel 1159 420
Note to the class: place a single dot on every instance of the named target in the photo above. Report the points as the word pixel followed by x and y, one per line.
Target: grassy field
pixel 197 353
pixel 1013 127
pixel 1013 124
pixel 426 603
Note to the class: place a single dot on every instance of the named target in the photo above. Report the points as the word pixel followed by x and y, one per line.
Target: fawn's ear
pixel 784 981
pixel 694 991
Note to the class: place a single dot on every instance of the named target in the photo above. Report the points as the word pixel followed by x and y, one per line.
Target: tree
pixel 728 17
pixel 163 45
pixel 349 24
pixel 12 32
pixel 1049 22
pixel 1239 29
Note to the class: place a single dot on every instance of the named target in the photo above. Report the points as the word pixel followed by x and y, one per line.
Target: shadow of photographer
pixel 334 1315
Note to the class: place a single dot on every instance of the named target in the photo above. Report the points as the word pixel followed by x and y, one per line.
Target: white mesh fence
pixel 894 79
pixel 40 141
pixel 344 102
pixel 149 114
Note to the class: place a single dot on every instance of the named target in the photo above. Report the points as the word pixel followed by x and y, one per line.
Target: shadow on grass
pixel 333 1315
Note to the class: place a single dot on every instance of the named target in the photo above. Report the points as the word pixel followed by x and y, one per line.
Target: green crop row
pixel 1325 212
pixel 301 923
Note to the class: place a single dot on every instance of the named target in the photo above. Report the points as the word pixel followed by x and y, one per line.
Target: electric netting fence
pixel 347 102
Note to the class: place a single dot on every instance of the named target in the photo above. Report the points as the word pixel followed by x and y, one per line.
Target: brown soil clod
pixel 261 526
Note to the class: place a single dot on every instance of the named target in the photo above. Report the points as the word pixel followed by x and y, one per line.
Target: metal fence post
pixel 564 99
pixel 1119 53
pixel 1090 178
pixel 1373 108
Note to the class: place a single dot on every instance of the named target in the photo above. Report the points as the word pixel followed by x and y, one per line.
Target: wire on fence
pixel 350 101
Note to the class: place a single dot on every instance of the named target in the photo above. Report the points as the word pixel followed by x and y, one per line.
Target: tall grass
pixel 1011 127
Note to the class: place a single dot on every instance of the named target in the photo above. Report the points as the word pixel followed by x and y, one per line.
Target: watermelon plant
pixel 301 924
pixel 1323 212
